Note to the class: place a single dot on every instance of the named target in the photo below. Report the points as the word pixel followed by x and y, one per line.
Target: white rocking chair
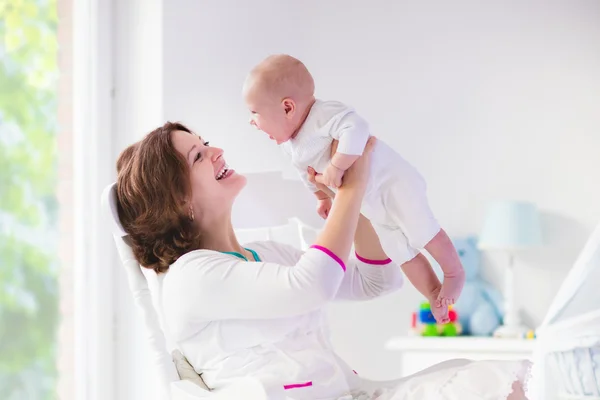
pixel 174 380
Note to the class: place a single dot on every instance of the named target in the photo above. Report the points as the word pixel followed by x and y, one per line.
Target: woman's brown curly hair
pixel 153 193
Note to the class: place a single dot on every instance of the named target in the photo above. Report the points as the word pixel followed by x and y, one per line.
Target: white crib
pixel 567 355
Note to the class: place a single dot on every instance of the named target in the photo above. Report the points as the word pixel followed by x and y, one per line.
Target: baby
pixel 280 95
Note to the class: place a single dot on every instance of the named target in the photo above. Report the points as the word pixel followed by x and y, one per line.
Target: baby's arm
pixel 332 176
pixel 343 161
pixel 352 132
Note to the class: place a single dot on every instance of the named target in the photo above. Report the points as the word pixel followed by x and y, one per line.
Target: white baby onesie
pixel 395 200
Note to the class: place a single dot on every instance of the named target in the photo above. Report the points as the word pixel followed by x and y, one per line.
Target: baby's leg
pixel 443 251
pixel 404 201
pixel 517 392
pixel 451 289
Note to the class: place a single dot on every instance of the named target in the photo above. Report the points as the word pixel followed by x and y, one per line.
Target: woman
pixel 256 311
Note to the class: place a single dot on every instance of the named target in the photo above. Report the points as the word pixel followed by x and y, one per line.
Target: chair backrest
pixel 295 233
pixel 263 210
pixel 138 285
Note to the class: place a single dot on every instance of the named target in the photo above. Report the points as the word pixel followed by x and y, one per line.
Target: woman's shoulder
pixel 197 259
pixel 268 251
pixel 272 251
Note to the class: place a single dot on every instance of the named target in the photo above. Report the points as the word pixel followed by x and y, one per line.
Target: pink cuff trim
pixel 330 254
pixel 297 385
pixel 373 262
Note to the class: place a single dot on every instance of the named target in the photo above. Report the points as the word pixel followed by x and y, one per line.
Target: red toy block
pixel 452 315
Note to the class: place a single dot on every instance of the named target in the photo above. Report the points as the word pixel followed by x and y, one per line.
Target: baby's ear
pixel 289 107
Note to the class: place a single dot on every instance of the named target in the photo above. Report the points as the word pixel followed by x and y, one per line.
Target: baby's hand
pixel 332 176
pixel 323 207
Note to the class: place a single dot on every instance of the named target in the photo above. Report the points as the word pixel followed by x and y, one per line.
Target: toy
pixel 530 335
pixel 424 324
pixel 479 306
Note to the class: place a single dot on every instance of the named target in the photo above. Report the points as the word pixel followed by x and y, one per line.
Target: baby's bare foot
pixel 451 288
pixel 440 314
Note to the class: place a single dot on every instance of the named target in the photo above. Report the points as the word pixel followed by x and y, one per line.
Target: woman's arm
pixel 207 285
pixel 210 285
pixel 366 241
pixel 340 226
pixel 372 273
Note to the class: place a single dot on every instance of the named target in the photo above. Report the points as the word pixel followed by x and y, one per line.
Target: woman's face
pixel 214 185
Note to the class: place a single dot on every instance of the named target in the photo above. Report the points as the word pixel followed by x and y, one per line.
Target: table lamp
pixel 510 226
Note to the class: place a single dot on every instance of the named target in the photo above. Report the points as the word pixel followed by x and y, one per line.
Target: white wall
pixel 488 100
pixel 209 47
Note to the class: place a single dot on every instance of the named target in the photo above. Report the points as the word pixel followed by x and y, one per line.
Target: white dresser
pixel 419 352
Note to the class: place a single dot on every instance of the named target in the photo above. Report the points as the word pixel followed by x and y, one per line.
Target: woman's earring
pixel 191 213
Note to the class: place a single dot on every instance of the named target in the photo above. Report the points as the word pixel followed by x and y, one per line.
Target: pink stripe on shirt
pixel 373 262
pixel 330 254
pixel 297 385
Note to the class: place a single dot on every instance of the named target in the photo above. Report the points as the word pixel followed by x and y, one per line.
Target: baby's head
pixel 279 93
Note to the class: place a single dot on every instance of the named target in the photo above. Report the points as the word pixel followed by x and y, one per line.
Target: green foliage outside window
pixel 28 205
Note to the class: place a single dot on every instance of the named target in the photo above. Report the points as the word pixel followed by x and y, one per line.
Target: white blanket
pixel 458 379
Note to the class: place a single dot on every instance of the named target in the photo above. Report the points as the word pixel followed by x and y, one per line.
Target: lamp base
pixel 511 331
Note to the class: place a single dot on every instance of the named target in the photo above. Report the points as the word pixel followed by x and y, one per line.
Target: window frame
pixel 93 169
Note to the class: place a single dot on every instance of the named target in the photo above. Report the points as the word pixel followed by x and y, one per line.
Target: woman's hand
pixel 312 175
pixel 357 175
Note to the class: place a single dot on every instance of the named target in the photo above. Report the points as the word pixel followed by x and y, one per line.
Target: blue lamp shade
pixel 511 225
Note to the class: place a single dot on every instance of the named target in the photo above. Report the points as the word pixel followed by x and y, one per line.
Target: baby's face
pixel 269 116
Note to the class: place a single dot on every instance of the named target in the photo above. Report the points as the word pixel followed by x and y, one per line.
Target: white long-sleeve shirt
pixel 395 200
pixel 232 318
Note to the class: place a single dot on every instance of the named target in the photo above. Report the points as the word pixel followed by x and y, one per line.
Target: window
pixel 35 198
